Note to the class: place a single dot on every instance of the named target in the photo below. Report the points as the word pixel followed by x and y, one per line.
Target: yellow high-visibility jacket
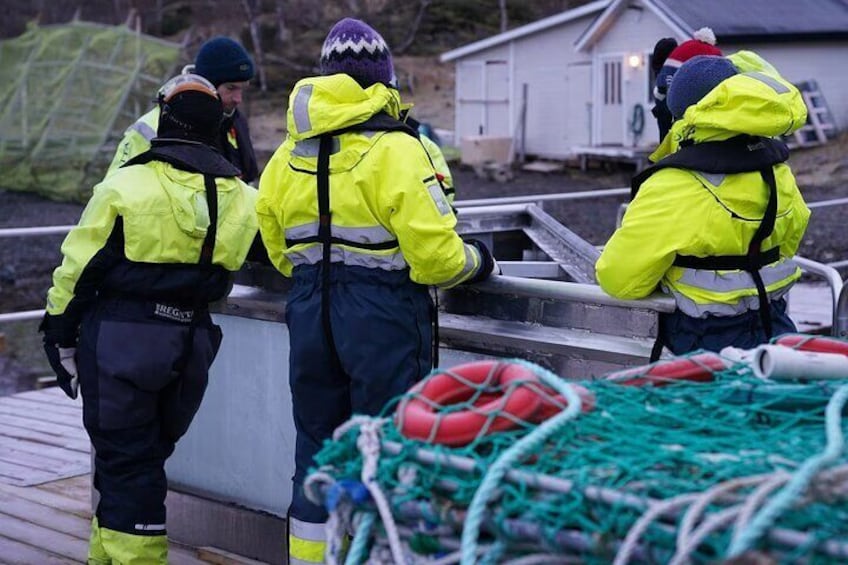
pixel 136 139
pixel 159 216
pixel 441 166
pixel 684 212
pixel 388 209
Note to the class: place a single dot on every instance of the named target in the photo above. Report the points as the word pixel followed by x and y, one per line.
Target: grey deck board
pixel 50 416
pixel 45 483
pixel 53 395
pixel 13 552
pixel 66 407
pixel 79 444
pixel 58 543
pixel 32 423
pixel 56 453
pixel 62 500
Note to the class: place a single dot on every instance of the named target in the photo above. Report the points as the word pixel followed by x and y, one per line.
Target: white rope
pixel 714 522
pixel 368 443
pixel 755 500
pixel 622 556
pixel 693 514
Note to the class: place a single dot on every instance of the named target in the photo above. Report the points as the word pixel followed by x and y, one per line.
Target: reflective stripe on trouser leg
pixel 307 542
pixel 112 547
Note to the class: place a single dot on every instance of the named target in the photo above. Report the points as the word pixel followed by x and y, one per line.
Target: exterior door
pixel 609 100
pixel 483 98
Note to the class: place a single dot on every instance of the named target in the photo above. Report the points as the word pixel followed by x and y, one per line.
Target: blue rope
pixel 503 464
pixel 796 486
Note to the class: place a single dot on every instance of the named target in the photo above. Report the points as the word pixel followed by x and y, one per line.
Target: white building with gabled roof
pixel 582 78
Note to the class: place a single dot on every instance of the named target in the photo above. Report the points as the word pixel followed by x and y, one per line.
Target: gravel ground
pixel 26 263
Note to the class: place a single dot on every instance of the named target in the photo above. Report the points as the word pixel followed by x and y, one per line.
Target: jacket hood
pixel 187 197
pixel 319 105
pixel 758 101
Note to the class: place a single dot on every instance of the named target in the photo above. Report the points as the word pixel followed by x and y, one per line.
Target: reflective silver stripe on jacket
pixel 349 256
pixel 376 234
pixel 300 109
pixel 730 281
pixel 311 146
pixel 473 260
pixel 144 130
pixel 773 83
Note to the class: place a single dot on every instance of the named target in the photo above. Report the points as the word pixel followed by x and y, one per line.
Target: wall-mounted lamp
pixel 635 61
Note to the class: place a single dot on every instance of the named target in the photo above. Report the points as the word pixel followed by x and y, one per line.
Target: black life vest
pixel 740 154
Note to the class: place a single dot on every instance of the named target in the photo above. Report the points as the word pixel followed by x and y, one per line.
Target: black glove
pixel 60 346
pixel 63 362
pixel 488 265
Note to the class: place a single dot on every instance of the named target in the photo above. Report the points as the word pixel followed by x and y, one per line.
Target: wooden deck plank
pixel 75 432
pixel 179 554
pixel 58 454
pixel 60 501
pixel 16 553
pixel 79 442
pixel 36 536
pixel 22 475
pixel 72 420
pixel 38 465
pixel 221 557
pixel 35 403
pixel 53 395
pixel 48 456
pixel 44 516
pixel 41 436
pixel 78 487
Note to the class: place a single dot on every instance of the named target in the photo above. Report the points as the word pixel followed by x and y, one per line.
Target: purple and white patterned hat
pixel 356 49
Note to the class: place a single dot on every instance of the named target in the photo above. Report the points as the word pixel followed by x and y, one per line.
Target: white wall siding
pixel 557 93
pixel 589 97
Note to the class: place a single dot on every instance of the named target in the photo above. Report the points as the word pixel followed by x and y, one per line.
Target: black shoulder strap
pixel 208 249
pixel 380 122
pixel 325 236
pixel 207 252
pixel 740 154
pixel 191 157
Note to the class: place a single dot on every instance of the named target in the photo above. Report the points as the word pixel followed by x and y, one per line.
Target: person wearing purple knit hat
pixel 352 209
pixel 352 47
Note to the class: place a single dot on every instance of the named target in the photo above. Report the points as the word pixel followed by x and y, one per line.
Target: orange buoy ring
pixel 701 367
pixel 517 396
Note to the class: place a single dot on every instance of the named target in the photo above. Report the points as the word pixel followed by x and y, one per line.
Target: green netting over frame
pixel 693 472
pixel 66 95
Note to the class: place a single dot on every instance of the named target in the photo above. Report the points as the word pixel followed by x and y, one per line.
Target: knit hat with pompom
pixel 702 43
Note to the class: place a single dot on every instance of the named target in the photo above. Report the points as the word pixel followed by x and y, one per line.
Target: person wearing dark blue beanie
pixel 221 60
pixel 226 64
pixel 228 67
pixel 695 79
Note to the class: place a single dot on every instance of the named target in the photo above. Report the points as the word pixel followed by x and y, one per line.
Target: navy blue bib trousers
pixel 142 382
pixel 381 346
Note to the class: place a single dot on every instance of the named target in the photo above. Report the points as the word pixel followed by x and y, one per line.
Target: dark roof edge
pixel 791 37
